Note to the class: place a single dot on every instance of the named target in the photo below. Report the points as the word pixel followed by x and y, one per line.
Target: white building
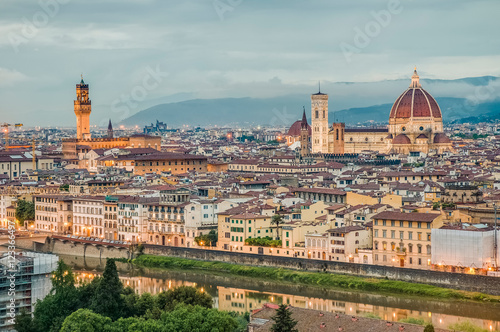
pixel 88 216
pixel 464 246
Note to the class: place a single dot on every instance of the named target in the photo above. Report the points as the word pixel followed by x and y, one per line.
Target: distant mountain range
pixel 284 110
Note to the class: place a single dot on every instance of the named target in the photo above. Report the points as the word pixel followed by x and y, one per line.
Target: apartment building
pixel 54 213
pixel 88 216
pixel 235 229
pixel 404 239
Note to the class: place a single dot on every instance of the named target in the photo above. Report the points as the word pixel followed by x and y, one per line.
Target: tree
pixel 25 210
pixel 84 320
pixel 283 321
pixel 277 219
pixel 183 294
pixel 207 239
pixel 64 187
pixel 24 322
pixel 107 299
pixel 196 318
pixel 62 278
pixel 429 328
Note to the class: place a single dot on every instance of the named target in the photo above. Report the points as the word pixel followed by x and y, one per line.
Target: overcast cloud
pixel 231 48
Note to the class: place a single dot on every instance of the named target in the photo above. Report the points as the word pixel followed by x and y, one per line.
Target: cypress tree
pixel 107 299
pixel 283 321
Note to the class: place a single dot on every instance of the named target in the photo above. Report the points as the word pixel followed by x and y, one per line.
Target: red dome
pixel 441 138
pixel 295 129
pixel 401 139
pixel 415 102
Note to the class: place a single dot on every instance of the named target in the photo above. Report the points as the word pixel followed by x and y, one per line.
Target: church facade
pixel 83 143
pixel 415 125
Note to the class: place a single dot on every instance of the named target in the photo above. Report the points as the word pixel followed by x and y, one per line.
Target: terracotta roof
pixel 401 139
pixel 414 216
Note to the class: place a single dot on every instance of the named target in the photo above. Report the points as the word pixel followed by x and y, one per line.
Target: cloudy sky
pixel 137 53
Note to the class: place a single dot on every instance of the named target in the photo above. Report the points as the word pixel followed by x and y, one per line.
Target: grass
pixel 466 327
pixel 411 320
pixel 313 278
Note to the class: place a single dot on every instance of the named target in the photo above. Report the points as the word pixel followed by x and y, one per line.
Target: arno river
pixel 246 294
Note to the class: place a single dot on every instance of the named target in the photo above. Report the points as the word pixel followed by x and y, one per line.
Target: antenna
pixel 319 86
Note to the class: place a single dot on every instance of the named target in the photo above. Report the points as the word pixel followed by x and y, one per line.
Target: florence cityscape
pixel 238 166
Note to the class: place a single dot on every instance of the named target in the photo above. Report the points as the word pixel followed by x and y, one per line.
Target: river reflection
pixel 245 294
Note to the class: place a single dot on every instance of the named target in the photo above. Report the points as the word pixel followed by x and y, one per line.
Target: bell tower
pixel 304 135
pixel 82 110
pixel 319 122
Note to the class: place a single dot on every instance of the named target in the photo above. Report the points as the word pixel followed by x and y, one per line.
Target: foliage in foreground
pixel 105 305
pixel 313 278
pixel 182 318
pixel 283 321
pixel 429 328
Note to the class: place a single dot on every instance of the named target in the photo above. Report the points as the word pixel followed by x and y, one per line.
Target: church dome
pixel 441 138
pixel 298 125
pixel 401 139
pixel 415 102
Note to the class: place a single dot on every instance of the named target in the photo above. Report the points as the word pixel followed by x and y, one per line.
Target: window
pixel 410 235
pixel 419 225
pixel 410 224
pixel 393 223
pixel 420 236
pixel 383 223
pixel 393 234
pixel 384 233
pixel 419 249
pixel 401 235
pixel 428 236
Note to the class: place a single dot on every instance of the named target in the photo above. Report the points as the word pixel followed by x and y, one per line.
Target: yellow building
pixel 404 239
pixel 233 230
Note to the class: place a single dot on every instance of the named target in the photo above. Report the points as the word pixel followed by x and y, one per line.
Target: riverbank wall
pixel 467 282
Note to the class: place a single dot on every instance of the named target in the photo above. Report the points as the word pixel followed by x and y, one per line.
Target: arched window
pixel 317 114
pixel 356 234
pixel 337 134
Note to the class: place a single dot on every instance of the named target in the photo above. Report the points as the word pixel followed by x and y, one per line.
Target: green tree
pixel 24 322
pixel 283 321
pixel 207 239
pixel 25 210
pixel 50 313
pixel 84 320
pixel 64 187
pixel 429 328
pixel 183 294
pixel 62 278
pixel 197 318
pixel 108 299
pixel 277 219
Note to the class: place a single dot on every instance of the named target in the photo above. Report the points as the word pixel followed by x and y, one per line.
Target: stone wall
pixel 475 283
pixel 60 247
